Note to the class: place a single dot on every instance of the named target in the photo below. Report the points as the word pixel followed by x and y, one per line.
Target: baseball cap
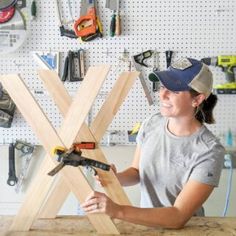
pixel 184 74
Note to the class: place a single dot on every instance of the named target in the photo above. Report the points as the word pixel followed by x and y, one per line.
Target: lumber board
pixel 114 100
pixel 58 194
pixel 15 86
pixel 112 104
pixel 82 103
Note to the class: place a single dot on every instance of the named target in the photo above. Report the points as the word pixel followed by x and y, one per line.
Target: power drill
pixel 227 64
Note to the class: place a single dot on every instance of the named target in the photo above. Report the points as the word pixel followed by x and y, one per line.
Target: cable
pixel 228 164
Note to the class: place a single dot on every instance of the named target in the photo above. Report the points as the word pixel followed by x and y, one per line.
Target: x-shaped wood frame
pixel 39 198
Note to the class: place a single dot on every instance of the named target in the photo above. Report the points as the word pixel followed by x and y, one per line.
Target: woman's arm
pixel 190 199
pixel 130 176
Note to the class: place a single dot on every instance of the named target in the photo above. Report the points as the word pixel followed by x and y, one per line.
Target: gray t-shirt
pixel 168 161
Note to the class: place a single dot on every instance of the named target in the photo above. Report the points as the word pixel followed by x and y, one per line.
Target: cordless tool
pixel 226 63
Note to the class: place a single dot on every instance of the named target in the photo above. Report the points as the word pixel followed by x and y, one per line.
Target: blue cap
pixel 185 74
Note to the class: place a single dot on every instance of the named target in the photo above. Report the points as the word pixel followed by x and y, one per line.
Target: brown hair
pixel 204 112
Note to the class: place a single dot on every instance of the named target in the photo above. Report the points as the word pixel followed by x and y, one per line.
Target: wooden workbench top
pixel 73 225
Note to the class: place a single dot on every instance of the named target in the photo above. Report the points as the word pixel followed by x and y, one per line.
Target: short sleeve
pixel 208 170
pixel 148 125
pixel 141 134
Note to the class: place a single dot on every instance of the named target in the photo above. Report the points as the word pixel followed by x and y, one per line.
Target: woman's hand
pixel 99 179
pixel 98 202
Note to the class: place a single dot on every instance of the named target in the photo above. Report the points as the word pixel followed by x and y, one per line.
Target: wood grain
pixel 102 120
pixel 49 138
pixel 72 225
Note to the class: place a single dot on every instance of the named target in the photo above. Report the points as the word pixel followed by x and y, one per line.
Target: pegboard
pixel 190 28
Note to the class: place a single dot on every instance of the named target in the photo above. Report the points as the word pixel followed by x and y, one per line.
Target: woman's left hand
pixel 98 202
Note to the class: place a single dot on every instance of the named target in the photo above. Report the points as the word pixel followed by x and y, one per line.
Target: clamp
pixel 73 157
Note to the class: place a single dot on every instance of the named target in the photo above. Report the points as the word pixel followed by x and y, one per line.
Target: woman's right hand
pixel 99 179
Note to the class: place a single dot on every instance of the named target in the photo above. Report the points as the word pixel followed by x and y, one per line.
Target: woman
pixel 178 161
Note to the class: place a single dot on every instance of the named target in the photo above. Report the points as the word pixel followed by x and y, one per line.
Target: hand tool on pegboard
pixel 12 26
pixel 7 14
pixel 139 61
pixel 47 59
pixel 33 10
pixel 118 19
pixel 88 26
pixel 155 68
pixel 169 55
pixel 227 63
pixel 113 5
pixel 74 66
pixel 12 179
pixel 7 109
pixel 73 157
pixel 26 150
pixel 64 30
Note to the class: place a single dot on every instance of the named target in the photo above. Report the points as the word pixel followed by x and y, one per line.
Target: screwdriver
pixel 118 27
pixel 33 9
pixel 113 24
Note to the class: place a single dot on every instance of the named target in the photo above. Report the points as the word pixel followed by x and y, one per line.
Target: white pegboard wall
pixel 190 28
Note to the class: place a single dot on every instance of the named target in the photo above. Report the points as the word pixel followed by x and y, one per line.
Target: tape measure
pixel 13 32
pixel 6 15
pixel 5 4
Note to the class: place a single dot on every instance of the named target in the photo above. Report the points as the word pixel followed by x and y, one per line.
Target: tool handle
pixel 97 164
pixel 86 24
pixel 23 173
pixel 67 33
pixel 91 37
pixel 113 25
pixel 85 145
pixel 12 179
pixel 118 26
pixel 81 64
pixel 33 9
pixel 168 57
pixel 65 71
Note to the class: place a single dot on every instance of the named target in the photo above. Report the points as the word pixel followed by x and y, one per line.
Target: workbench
pixel 76 225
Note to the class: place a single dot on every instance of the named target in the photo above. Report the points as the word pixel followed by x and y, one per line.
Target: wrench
pixel 12 179
pixel 26 150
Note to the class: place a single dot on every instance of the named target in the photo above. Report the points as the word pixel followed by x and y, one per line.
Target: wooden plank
pixel 36 118
pixel 25 217
pixel 82 103
pixel 117 95
pixel 58 194
pixel 20 94
pixel 112 104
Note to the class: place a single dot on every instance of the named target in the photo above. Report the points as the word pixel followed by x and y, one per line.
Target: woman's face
pixel 175 104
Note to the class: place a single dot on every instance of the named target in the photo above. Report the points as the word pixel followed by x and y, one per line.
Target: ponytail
pixel 204 112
